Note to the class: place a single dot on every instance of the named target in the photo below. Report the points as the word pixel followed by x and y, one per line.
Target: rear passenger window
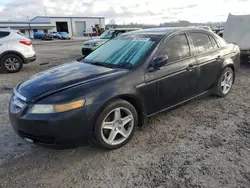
pixel 201 42
pixel 213 42
pixel 176 48
pixel 4 34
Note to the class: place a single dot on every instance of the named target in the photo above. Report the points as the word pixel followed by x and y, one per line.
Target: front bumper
pixel 72 127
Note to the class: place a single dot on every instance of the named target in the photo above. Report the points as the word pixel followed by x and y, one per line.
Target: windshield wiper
pixel 101 64
pixel 126 65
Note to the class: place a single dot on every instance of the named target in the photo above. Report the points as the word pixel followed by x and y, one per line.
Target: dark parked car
pixel 110 92
pixel 47 36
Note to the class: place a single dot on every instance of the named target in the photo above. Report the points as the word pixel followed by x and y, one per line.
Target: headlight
pixel 56 108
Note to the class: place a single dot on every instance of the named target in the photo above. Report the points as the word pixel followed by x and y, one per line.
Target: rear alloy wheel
pixel 12 63
pixel 225 82
pixel 116 124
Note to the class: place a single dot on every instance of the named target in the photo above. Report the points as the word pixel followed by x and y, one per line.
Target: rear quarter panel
pixel 231 56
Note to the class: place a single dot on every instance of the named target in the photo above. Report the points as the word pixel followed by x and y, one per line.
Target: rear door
pixel 208 56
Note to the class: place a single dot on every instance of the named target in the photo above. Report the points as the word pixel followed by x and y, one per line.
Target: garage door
pixel 80 28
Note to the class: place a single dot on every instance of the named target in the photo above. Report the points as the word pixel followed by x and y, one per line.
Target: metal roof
pixel 88 17
pixel 5 29
pixel 46 19
pixel 23 22
pixel 122 29
pixel 31 27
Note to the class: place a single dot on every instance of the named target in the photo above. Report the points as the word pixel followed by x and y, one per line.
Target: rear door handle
pixel 190 67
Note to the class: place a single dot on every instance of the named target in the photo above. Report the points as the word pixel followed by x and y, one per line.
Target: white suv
pixel 15 50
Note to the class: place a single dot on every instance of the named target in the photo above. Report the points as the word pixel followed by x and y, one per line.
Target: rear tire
pixel 225 82
pixel 115 125
pixel 12 63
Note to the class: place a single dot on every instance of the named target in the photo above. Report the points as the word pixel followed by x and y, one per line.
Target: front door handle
pixel 190 67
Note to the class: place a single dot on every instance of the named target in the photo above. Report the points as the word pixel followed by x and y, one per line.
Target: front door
pixel 176 81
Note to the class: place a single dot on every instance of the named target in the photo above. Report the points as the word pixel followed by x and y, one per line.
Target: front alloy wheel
pixel 116 124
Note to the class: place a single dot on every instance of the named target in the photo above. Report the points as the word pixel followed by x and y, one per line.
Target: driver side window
pixel 176 48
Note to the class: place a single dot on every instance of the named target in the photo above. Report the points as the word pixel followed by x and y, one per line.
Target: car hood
pixel 91 42
pixel 63 77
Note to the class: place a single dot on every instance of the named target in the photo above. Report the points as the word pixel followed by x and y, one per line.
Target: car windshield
pixel 107 34
pixel 122 52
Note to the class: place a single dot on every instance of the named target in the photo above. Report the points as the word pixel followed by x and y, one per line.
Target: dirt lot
pixel 205 143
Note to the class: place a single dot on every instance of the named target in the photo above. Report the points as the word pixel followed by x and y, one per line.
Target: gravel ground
pixel 205 143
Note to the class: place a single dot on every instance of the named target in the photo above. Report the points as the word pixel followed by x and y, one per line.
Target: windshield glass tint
pixel 121 52
pixel 107 35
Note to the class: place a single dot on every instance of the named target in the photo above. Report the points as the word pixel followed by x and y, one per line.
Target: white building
pixel 75 26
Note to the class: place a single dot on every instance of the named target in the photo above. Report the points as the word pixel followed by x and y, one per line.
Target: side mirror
pixel 158 62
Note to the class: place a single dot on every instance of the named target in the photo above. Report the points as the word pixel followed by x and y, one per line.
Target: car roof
pixel 165 30
pixel 122 29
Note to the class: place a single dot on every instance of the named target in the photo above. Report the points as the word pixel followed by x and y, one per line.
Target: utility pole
pixel 29 24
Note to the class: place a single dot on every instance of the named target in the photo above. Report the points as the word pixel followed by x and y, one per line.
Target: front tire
pixel 115 125
pixel 225 82
pixel 11 63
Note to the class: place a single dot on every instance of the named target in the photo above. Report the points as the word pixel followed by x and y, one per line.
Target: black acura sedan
pixel 107 94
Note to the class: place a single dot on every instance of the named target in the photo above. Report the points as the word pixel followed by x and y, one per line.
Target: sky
pixel 126 11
